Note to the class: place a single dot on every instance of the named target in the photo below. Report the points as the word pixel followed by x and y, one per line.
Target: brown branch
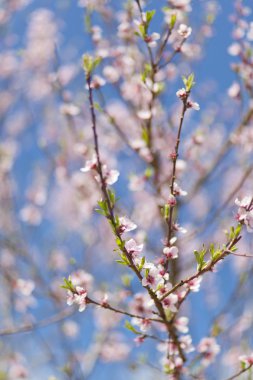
pixel 239 373
pixel 43 323
pixel 111 217
pixel 109 307
pixel 173 178
pixel 209 267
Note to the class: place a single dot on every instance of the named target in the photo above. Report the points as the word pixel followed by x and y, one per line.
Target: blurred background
pixel 48 225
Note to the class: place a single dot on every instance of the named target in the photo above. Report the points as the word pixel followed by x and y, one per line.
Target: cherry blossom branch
pixel 173 54
pixel 143 22
pixel 239 373
pixel 163 46
pixel 174 157
pixel 102 179
pixel 107 306
pixel 208 268
pixel 158 303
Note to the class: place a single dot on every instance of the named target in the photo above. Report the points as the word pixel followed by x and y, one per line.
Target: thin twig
pixel 239 373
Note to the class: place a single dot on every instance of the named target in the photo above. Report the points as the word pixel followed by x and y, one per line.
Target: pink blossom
pixel 234 49
pixel 17 372
pixel 245 202
pixel 181 324
pixel 139 339
pixel 186 343
pixel 70 328
pixel 90 165
pixel 181 93
pixel 184 30
pixel 153 277
pixel 79 298
pixel 179 228
pixel 194 284
pixel 82 278
pixel 111 73
pixel 126 225
pixel 245 212
pixel 24 287
pixel 170 364
pixel 234 90
pixel 151 40
pixel 97 82
pixel 209 349
pixel 141 304
pixel 164 289
pixel 136 183
pixel 171 200
pixel 144 324
pixel 31 214
pixel 182 5
pixel 96 32
pixel 144 114
pixel 171 252
pixel 133 248
pixel 179 191
pixel 193 105
pixel 111 176
pixel 247 359
pixel 69 109
pixel 170 302
pixel 125 30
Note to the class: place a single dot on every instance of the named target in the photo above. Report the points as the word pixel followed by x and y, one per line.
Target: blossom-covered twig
pixel 207 268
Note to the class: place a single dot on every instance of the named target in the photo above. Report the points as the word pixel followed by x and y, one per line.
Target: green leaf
pixel 87 63
pixel 142 30
pixel 68 285
pixel 126 280
pixel 99 211
pixel 166 210
pixel 243 365
pixel 145 135
pixel 121 262
pixel 173 20
pixel 103 207
pixel 124 258
pixel 96 62
pixel 112 197
pixel 216 330
pixel 97 107
pixel 238 230
pixel 149 172
pixel 149 16
pixel 143 259
pixel 199 256
pixel 131 328
pixel 90 63
pixel 188 82
pixel 119 243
